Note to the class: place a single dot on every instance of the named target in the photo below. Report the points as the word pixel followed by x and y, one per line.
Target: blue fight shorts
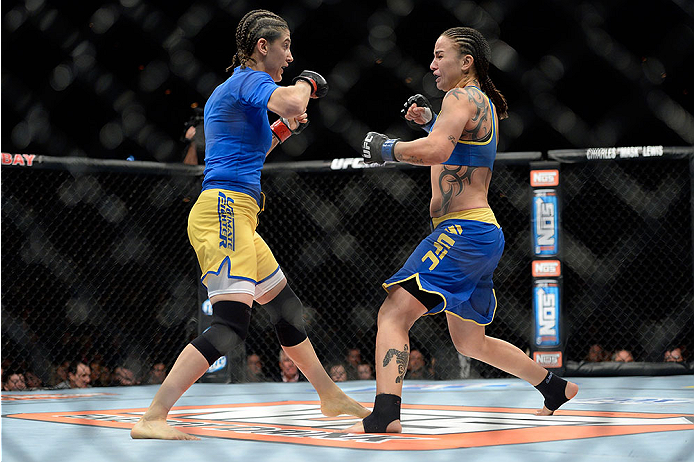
pixel 456 262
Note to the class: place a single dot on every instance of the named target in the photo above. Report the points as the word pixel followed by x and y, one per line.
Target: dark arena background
pixel 97 95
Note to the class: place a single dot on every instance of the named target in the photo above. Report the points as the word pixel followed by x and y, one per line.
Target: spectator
pixel 674 356
pixel 95 367
pixel 78 376
pixel 288 370
pixel 123 376
pixel 14 381
pixel 432 368
pixel 32 380
pixel 365 371
pixel 254 369
pixel 353 359
pixel 597 354
pixel 104 379
pixel 416 368
pixel 338 372
pixel 623 356
pixel 59 373
pixel 157 373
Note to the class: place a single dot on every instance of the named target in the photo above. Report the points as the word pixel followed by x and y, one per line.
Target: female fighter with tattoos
pixel 451 270
pixel 237 265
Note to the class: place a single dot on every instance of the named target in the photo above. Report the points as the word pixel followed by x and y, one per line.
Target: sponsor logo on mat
pixel 424 426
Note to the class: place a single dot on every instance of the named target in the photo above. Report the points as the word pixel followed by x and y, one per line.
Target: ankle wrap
pixel 386 410
pixel 553 388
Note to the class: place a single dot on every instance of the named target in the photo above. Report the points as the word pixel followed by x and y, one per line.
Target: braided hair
pixel 471 42
pixel 253 26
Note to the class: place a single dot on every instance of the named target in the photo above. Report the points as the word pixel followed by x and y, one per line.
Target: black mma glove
pixel 378 149
pixel 420 101
pixel 280 128
pixel 317 82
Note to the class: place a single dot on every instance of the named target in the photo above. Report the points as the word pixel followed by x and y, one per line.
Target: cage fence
pixel 96 264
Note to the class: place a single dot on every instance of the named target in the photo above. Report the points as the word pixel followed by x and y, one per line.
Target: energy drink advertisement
pixel 548 333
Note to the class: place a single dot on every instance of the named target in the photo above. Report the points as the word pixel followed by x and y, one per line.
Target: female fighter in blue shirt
pixel 237 265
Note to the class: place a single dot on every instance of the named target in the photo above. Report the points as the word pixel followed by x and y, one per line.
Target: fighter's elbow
pixel 294 106
pixel 439 154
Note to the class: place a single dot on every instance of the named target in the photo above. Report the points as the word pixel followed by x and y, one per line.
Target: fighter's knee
pixel 230 321
pixel 391 315
pixel 287 315
pixel 468 348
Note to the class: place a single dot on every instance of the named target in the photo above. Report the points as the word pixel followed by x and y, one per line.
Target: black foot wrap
pixel 553 388
pixel 386 410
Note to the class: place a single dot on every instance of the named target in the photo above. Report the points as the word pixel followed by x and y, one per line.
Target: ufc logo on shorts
pixel 441 246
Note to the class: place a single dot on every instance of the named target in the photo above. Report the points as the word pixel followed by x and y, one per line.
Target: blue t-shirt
pixel 237 132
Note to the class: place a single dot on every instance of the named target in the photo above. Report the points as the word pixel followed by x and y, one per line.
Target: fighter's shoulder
pixel 465 94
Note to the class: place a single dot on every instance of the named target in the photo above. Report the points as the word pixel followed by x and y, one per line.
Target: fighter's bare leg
pixel 334 401
pixel 188 368
pixel 398 313
pixel 470 340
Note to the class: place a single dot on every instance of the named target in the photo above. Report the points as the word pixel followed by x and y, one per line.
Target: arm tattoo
pixel 452 183
pixel 401 357
pixel 452 139
pixel 410 159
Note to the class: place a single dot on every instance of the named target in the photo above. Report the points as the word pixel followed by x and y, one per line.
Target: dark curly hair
pixel 253 26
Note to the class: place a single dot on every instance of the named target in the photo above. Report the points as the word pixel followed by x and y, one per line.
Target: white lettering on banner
pixel 545 223
pixel 544 178
pixel 546 268
pixel 548 358
pixel 649 151
pixel 347 163
pixel 627 152
pixel 548 313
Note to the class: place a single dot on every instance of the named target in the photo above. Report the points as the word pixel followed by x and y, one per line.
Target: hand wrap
pixel 280 128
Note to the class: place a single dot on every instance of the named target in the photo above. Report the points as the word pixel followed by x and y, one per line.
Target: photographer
pixel 194 139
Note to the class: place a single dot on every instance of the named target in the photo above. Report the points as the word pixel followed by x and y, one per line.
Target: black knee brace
pixel 553 388
pixel 287 315
pixel 386 410
pixel 229 328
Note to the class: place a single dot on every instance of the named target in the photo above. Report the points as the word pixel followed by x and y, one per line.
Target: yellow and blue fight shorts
pixel 232 255
pixel 456 262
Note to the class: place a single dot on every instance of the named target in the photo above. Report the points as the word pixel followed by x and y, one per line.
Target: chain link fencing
pixel 96 263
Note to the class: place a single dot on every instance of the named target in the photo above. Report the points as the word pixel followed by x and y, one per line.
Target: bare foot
pixel 570 391
pixel 393 427
pixel 339 403
pixel 158 429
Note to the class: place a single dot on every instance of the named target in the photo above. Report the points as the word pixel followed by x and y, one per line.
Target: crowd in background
pixel 596 354
pixel 95 373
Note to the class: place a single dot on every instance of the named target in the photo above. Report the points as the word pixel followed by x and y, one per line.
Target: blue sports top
pixel 237 132
pixel 476 153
